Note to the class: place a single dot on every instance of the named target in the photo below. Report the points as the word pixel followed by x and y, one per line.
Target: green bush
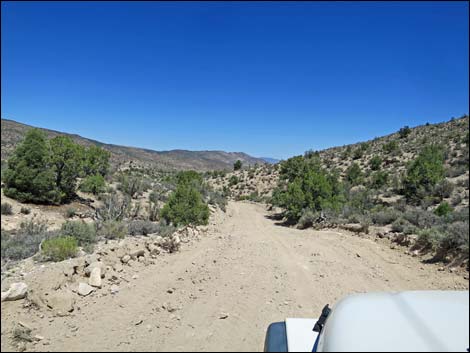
pixel 424 172
pixel 93 184
pixel 185 206
pixel 404 132
pixel 59 249
pixel 379 179
pixel 233 180
pixel 25 210
pixel 96 161
pixel 305 185
pixel 30 176
pixel 354 174
pixel 70 212
pixel 358 153
pixel 391 147
pixel 84 233
pixel 6 209
pixel 44 171
pixel 237 165
pixel 375 163
pixel 444 209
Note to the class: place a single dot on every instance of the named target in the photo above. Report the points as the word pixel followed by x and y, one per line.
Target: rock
pixel 415 253
pixel 452 270
pixel 38 338
pixel 114 289
pixel 93 265
pixel 61 302
pixel 137 253
pixel 357 255
pixel 84 289
pixel 441 269
pixel 118 267
pixel 15 292
pixel 223 316
pixel 170 291
pixel 125 259
pixel 95 277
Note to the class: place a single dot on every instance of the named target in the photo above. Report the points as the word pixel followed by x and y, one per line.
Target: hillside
pixel 13 132
pixel 393 150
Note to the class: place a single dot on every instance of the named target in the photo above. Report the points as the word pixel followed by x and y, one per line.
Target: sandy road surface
pixel 250 269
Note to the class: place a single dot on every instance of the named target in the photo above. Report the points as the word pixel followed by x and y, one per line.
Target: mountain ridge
pixel 177 159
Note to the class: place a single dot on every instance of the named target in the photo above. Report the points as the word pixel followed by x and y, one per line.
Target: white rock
pixel 84 289
pixel 15 292
pixel 114 289
pixel 93 265
pixel 125 259
pixel 95 277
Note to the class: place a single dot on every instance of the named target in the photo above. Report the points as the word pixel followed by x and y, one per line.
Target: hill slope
pixel 13 133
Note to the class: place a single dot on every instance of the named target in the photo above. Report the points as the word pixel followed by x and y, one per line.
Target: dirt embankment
pixel 220 293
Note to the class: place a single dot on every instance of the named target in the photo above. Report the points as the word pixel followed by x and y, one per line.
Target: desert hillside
pixel 13 133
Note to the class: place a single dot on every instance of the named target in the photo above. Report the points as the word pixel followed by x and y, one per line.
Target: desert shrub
pixel 307 219
pixel 429 238
pixel 139 227
pixel 70 212
pixel 379 179
pixel 456 170
pixel 385 216
pixel 354 174
pixel 111 229
pixel 59 248
pixel 185 206
pixel 84 233
pixel 404 132
pixel 24 242
pixel 25 210
pixel 420 218
pixel 375 162
pixel 358 153
pixel 391 147
pixel 237 165
pixel 218 199
pixel 424 172
pixel 93 184
pixel 233 180
pixel 114 208
pixel 401 225
pixel 457 238
pixel 6 209
pixel 443 209
pixel 443 189
pixel 132 185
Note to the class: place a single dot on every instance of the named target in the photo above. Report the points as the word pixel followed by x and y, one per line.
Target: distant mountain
pixel 270 160
pixel 13 133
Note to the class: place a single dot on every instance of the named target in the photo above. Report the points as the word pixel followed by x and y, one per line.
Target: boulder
pixel 60 302
pixel 125 259
pixel 137 253
pixel 15 292
pixel 93 265
pixel 95 277
pixel 84 289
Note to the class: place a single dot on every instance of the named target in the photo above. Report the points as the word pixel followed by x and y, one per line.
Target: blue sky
pixel 267 78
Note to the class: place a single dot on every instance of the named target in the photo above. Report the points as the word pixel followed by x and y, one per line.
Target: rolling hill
pixel 13 133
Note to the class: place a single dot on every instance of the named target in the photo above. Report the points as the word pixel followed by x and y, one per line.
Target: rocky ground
pixel 220 291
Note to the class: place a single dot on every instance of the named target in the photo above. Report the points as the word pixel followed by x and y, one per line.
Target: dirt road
pixel 221 293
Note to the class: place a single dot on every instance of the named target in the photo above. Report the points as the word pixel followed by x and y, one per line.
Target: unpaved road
pixel 251 269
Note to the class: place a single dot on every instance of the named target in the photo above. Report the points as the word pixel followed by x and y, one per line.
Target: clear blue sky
pixel 269 78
